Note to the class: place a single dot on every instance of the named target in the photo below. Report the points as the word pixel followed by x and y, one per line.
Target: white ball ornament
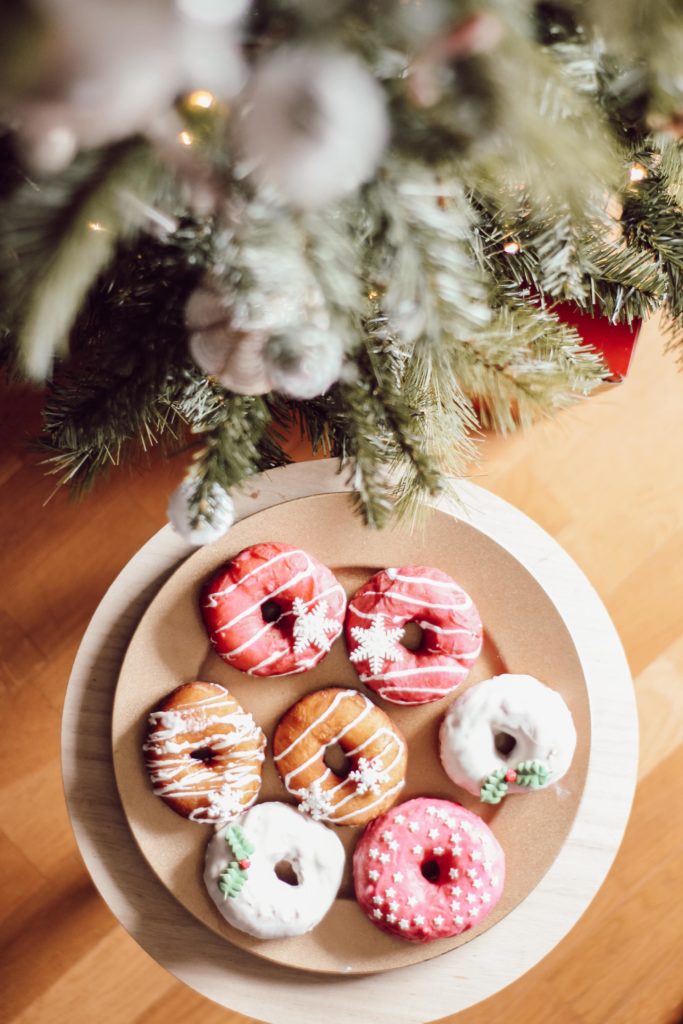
pixel 304 363
pixel 211 525
pixel 235 357
pixel 313 125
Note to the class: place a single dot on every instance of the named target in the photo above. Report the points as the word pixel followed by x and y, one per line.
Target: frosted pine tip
pixel 638 172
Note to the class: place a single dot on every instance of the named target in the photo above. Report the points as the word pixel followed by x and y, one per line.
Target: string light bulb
pixel 185 138
pixel 638 172
pixel 511 247
pixel 95 225
pixel 200 99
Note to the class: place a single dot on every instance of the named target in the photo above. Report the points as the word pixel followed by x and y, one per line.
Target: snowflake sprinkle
pixel 369 777
pixel 315 801
pixel 376 644
pixel 311 626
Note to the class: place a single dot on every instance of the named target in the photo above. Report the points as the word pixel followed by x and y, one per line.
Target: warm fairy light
pixel 638 172
pixel 185 138
pixel 372 294
pixel 511 248
pixel 201 99
pixel 95 225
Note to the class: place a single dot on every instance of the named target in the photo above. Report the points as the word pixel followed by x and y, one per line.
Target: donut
pixel 376 752
pixel 451 637
pixel 204 754
pixel 273 610
pixel 242 865
pixel 507 734
pixel 428 869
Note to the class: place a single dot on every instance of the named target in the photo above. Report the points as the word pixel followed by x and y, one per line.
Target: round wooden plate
pixel 523 633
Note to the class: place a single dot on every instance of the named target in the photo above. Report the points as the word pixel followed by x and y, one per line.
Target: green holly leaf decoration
pixel 231 880
pixel 532 774
pixel 494 787
pixel 237 840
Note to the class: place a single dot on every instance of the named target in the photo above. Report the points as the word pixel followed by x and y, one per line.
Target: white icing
pixel 519 705
pixel 451 606
pixel 211 599
pixel 267 907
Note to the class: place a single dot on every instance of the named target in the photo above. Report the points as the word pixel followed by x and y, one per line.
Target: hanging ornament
pixel 313 125
pixel 429 73
pixel 214 520
pixel 304 363
pixel 235 357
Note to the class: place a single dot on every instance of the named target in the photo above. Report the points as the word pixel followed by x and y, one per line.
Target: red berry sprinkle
pixel 511 775
pixel 244 864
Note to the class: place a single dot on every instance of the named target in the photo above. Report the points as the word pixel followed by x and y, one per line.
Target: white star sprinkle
pixel 412 901
pixel 391 892
pixel 376 644
pixel 433 833
pixel 487 866
pixel 393 845
pixel 391 918
pixel 387 835
pixel 454 873
pixel 438 850
pixel 472 873
pixel 471 898
pixel 398 876
pixel 494 881
pixel 413 826
pixel 417 850
pixel 311 626
pixel 373 875
pixel 377 913
pixel 459 920
pixel 385 858
pixel 455 905
pixel 456 890
pixel 403 923
pixel 439 920
pixel 473 911
pixel 485 897
pixel 418 920
pixel 400 819
pixel 374 853
pixel 450 822
pixel 393 905
pixel 432 812
pixel 441 814
pixel 377 900
pixel 477 883
pixel 475 855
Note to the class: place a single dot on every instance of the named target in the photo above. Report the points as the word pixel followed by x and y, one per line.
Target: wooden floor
pixel 606 480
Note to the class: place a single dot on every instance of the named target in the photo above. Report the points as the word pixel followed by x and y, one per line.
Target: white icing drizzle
pixel 391 595
pixel 338 698
pixel 211 601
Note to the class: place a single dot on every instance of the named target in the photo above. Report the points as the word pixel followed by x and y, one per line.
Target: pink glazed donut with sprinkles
pixel 428 869
pixel 451 634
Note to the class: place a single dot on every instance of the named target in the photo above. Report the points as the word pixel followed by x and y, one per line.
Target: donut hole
pixel 431 870
pixel 204 754
pixel 413 636
pixel 286 873
pixel 504 743
pixel 271 611
pixel 336 760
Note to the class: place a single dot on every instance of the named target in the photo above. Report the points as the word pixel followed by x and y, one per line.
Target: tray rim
pixel 531 930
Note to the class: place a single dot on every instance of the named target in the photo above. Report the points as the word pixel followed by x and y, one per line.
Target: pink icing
pixel 454 846
pixel 451 642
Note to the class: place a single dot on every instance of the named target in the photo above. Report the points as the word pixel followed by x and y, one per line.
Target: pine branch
pixel 60 235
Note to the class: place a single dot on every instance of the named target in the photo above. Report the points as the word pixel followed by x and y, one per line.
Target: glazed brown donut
pixel 204 754
pixel 376 750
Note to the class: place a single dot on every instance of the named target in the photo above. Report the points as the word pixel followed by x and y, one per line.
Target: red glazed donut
pixel 273 610
pixel 451 640
pixel 428 869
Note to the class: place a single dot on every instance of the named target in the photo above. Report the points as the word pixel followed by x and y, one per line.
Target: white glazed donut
pixel 264 905
pixel 500 725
